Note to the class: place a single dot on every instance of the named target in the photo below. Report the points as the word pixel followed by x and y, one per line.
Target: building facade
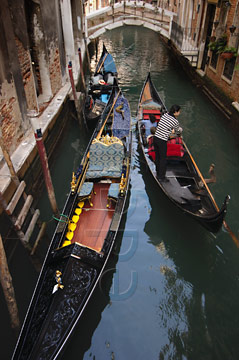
pixel 37 40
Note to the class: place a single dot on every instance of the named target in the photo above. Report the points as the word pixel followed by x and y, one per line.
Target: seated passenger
pixel 150 142
pixel 148 124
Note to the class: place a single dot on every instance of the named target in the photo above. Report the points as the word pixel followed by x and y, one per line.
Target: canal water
pixel 171 288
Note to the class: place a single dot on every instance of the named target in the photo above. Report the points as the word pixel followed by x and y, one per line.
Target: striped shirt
pixel 165 126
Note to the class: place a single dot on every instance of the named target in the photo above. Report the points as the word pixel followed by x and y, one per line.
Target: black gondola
pixel 100 88
pixel 186 187
pixel 84 237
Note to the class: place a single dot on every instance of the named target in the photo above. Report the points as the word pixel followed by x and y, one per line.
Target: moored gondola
pixel 186 186
pixel 83 239
pixel 100 87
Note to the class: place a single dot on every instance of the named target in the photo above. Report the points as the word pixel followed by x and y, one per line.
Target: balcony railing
pixel 184 38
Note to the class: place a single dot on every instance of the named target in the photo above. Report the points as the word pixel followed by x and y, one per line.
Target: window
pixel 229 68
pixel 214 59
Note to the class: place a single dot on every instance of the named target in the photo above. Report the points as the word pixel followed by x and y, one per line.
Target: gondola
pixel 83 239
pixel 186 187
pixel 99 90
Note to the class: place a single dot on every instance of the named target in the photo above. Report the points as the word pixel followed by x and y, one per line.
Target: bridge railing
pixel 150 15
pixel 184 38
pixel 91 6
pixel 146 13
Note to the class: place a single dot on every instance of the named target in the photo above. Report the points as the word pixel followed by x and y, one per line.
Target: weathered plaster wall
pixel 13 104
pixel 49 23
pixel 11 116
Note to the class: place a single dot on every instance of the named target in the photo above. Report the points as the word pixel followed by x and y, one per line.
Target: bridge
pixel 139 13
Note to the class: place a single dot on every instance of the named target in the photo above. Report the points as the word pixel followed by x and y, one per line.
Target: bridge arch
pixel 128 13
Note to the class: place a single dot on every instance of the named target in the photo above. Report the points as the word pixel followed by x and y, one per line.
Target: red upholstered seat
pixel 151 151
pixel 155 112
pixel 176 140
pixel 175 150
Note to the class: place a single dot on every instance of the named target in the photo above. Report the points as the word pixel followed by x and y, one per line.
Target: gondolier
pixel 167 124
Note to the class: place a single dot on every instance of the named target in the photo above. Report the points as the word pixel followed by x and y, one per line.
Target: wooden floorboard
pixel 94 222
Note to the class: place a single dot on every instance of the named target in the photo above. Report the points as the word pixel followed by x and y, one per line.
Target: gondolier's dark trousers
pixel 160 147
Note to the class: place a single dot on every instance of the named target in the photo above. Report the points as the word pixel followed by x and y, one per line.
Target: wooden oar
pixel 233 236
pixel 107 117
pixel 102 62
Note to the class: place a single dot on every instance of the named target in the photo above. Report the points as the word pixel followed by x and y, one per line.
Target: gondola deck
pixel 94 221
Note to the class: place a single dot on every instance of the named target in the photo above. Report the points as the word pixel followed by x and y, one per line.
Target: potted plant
pixel 228 52
pixel 218 44
pixel 220 47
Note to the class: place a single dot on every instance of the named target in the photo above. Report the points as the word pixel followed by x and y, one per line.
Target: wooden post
pixel 20 233
pixel 45 168
pixel 76 101
pixel 72 83
pixel 96 49
pixel 39 237
pixel 81 69
pixel 87 52
pixel 8 158
pixel 8 290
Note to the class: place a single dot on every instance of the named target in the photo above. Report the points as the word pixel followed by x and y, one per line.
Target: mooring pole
pixel 45 167
pixel 8 160
pixel 8 290
pixel 76 100
pixel 96 49
pixel 81 69
pixel 72 82
pixel 87 51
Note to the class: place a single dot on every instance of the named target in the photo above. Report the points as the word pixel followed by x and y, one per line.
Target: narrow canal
pixel 171 289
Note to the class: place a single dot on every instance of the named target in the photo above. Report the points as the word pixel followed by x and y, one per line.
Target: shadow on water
pixel 201 287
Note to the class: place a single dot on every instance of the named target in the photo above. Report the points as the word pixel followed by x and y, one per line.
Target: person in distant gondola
pixel 167 124
pixel 147 124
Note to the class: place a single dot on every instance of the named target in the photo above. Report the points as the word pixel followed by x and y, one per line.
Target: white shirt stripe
pixel 165 126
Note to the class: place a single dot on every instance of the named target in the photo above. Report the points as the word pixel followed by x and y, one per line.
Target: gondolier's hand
pixel 179 132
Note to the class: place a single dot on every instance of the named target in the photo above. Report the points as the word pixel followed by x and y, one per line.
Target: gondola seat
pixel 86 192
pixel 151 107
pixel 96 79
pixel 109 78
pixel 106 158
pixel 113 193
pixel 175 147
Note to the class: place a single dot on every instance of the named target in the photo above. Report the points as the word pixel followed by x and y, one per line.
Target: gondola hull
pixel 100 88
pixel 82 242
pixel 185 187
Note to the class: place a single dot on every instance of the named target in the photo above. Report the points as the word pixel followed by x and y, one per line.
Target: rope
pixel 55 218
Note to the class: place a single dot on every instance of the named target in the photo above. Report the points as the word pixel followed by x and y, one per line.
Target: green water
pixel 171 288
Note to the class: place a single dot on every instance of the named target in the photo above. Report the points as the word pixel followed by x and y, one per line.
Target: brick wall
pixel 55 70
pixel 10 112
pixel 27 75
pixel 229 88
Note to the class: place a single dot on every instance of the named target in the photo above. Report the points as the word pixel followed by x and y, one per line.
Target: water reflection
pixel 198 302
